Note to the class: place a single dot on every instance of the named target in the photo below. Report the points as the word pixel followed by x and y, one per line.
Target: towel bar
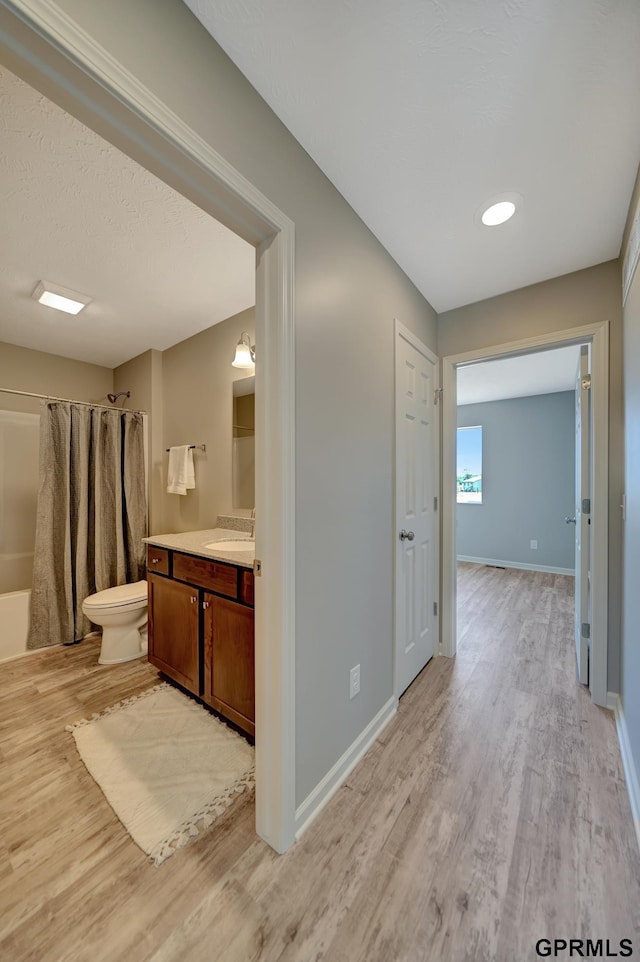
pixel 200 447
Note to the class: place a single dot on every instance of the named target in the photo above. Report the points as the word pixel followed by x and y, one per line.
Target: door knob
pixel 569 520
pixel 406 535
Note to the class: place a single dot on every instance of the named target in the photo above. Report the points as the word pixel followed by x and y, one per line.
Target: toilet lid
pixel 121 595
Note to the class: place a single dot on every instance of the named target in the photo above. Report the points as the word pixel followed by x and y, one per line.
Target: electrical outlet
pixel 354 681
pixel 533 545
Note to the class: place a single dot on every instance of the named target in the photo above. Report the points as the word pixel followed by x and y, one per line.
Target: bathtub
pixel 14 618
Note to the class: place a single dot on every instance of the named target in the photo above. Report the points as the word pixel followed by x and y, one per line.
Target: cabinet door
pixel 229 674
pixel 173 630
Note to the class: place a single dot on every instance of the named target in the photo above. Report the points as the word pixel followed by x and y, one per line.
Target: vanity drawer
pixel 157 560
pixel 207 574
pixel 246 587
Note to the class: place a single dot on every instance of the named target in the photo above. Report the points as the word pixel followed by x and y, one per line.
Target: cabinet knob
pixel 193 599
pixel 155 561
pixel 205 604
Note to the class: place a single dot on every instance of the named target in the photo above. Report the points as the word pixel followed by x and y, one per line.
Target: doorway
pixel 60 61
pixel 597 337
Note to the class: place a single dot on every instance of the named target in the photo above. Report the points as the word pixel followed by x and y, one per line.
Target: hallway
pixel 490 814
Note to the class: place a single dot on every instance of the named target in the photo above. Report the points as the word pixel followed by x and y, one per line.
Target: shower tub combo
pixel 19 484
pixel 18 498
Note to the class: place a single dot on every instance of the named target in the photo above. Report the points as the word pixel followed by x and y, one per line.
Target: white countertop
pixel 193 542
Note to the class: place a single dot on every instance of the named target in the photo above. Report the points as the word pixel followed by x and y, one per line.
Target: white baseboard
pixel 613 700
pixel 516 564
pixel 630 771
pixel 326 789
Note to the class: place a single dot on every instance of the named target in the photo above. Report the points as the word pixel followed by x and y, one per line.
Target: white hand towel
pixel 181 475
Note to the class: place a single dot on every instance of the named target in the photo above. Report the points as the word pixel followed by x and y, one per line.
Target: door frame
pixel 598 336
pixel 399 330
pixel 582 487
pixel 47 48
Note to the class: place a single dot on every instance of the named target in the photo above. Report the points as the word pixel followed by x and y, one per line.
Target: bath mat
pixel 166 765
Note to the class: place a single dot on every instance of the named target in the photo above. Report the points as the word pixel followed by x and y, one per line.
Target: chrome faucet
pixel 252 532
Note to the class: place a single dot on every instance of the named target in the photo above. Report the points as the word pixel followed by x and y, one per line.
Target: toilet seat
pixel 119 597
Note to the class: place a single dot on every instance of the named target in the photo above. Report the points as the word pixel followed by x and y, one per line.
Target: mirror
pixel 243 434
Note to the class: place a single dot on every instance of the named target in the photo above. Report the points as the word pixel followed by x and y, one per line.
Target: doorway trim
pixel 598 336
pixel 46 48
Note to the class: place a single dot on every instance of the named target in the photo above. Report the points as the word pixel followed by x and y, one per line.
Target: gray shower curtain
pixel 91 515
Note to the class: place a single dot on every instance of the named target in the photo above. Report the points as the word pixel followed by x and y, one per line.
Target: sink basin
pixel 239 545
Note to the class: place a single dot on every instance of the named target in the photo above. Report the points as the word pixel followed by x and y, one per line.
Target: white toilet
pixel 122 614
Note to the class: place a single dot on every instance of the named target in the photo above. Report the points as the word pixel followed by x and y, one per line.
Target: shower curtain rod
pixel 66 400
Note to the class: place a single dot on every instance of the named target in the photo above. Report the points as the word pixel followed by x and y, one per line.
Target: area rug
pixel 166 765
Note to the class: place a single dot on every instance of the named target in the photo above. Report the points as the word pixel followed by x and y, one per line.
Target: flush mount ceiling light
pixel 498 210
pixel 245 353
pixel 60 298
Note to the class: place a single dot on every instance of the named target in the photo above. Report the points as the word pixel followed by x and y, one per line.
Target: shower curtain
pixel 91 515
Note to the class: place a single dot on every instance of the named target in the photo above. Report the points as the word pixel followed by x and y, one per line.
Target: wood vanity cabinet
pixel 229 677
pixel 201 631
pixel 173 630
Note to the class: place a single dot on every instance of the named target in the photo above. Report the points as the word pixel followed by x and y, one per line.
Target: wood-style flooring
pixel 491 813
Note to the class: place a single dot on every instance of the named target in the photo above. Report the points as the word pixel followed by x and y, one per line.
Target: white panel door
pixel 416 531
pixel 582 517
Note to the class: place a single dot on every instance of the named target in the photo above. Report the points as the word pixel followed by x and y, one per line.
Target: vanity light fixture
pixel 60 298
pixel 245 353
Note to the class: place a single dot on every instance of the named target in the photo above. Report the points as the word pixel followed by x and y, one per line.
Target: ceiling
pixel 543 373
pixel 78 213
pixel 420 111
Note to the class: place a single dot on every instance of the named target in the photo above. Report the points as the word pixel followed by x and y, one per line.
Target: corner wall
pixel 348 292
pixel 187 392
pixel 142 376
pixel 574 300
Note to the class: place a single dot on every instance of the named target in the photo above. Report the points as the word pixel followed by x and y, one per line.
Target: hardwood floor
pixel 491 813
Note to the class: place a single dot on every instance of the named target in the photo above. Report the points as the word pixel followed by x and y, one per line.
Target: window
pixel 469 465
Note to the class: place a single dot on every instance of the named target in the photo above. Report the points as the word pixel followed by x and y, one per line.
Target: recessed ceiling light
pixel 60 298
pixel 498 213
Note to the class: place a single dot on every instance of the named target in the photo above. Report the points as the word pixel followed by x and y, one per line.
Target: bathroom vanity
pixel 201 619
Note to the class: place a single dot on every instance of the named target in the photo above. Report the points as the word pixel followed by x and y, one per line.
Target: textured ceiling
pixel 420 111
pixel 543 373
pixel 79 213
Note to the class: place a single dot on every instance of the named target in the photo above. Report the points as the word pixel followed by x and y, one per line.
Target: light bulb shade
pixel 245 354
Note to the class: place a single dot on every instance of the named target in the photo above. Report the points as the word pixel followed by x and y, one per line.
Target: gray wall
pixel 584 297
pixel 528 482
pixel 348 291
pixel 630 687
